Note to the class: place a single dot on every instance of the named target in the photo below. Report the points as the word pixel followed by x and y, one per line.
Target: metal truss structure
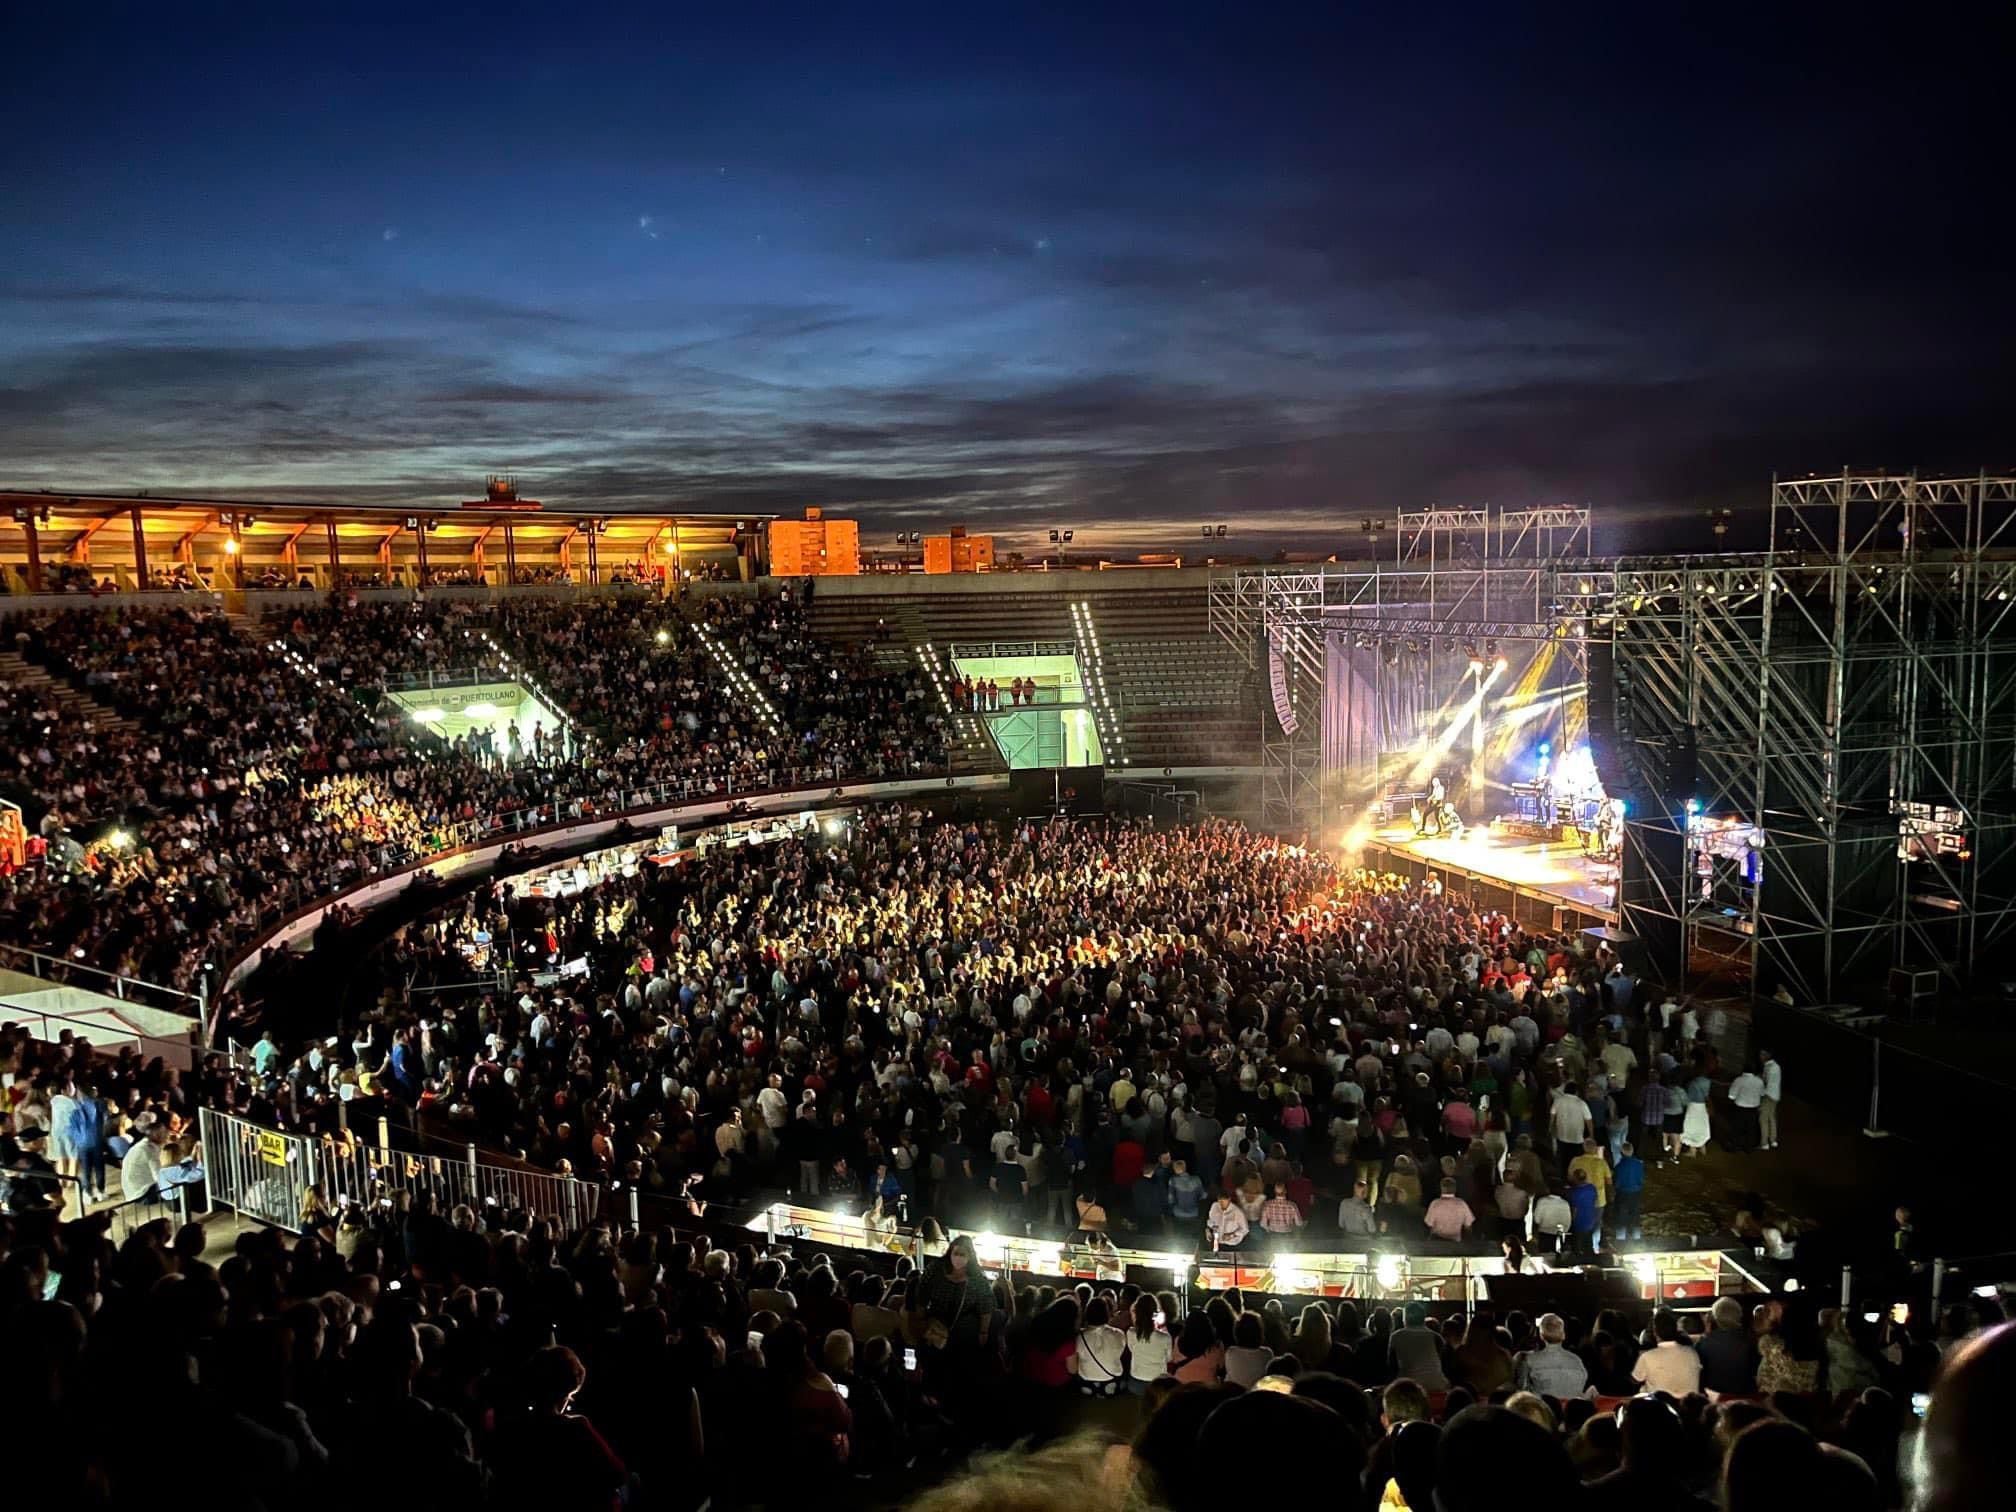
pixel 1449 585
pixel 1263 614
pixel 1850 695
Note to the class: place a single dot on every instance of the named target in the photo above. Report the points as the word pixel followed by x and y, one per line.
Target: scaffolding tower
pixel 1851 695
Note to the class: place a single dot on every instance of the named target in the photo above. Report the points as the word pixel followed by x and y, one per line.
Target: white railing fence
pixel 267 1175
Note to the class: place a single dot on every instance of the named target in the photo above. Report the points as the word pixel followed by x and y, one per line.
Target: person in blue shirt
pixel 1627 1195
pixel 1582 1213
pixel 1186 1194
pixel 86 1133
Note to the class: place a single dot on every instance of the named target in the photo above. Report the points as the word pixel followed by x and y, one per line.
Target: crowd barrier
pixel 269 1175
pixel 1397 1275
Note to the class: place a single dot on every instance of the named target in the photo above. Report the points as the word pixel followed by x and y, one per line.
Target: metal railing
pixel 257 1173
pixel 498 671
pixel 362 1174
pixel 995 649
pixel 61 969
pixel 1393 1273
pixel 267 1174
pixel 125 1216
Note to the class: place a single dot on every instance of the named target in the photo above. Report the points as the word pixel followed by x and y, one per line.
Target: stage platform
pixel 1543 886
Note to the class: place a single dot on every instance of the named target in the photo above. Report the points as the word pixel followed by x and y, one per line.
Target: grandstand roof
pixel 98 529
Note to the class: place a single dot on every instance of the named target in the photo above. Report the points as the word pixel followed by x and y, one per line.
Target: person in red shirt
pixel 1040 1105
pixel 1459 1118
pixel 1302 1192
pixel 1128 1160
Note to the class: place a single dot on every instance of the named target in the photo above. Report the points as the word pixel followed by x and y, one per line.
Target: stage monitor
pixel 1577 1294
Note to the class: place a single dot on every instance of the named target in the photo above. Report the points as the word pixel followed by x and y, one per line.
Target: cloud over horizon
pixel 1277 276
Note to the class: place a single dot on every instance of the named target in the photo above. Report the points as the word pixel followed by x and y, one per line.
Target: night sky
pixel 1247 265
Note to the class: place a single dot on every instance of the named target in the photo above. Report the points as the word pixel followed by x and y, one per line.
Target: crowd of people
pixel 1190 1037
pixel 241 775
pixel 1108 1030
pixel 983 695
pixel 1095 1029
pixel 487 1357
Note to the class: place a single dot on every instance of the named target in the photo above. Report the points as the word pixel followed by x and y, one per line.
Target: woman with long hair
pixel 954 1302
pixel 1223 1313
pixel 1148 1342
pixel 1100 1363
pixel 1312 1340
pixel 1790 1357
pixel 809 1407
pixel 1197 1354
pixel 1481 1361
pixel 1274 1324
pixel 1050 1355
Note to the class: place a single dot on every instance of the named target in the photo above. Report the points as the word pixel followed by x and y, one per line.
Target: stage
pixel 1549 886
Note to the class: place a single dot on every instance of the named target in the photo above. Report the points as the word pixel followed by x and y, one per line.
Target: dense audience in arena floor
pixel 1030 1025
pixel 1068 1028
pixel 264 772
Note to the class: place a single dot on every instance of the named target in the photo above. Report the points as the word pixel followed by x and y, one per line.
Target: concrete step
pixel 76 704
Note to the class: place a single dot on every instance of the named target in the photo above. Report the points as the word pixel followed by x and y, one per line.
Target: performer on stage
pixel 1611 829
pixel 1429 815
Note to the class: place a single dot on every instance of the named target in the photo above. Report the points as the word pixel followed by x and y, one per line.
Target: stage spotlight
pixel 1476 664
pixel 1501 664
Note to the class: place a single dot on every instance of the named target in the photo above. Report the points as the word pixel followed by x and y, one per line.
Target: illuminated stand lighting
pixel 739 679
pixel 1104 719
pixel 1292 1274
pixel 927 657
pixel 1391 1274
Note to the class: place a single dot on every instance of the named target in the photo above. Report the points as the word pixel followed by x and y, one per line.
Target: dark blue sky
pixel 1247 264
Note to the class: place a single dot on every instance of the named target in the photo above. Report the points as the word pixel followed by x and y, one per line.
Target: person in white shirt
pixel 1551 1217
pixel 1570 1122
pixel 1147 1345
pixel 1619 1061
pixel 1225 1225
pixel 1774 1088
pixel 1746 1094
pixel 774 1105
pixel 1668 1365
pixel 141 1169
pixel 1230 1140
pixel 1101 1361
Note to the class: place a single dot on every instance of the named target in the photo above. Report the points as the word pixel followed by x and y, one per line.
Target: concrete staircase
pixel 78 707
